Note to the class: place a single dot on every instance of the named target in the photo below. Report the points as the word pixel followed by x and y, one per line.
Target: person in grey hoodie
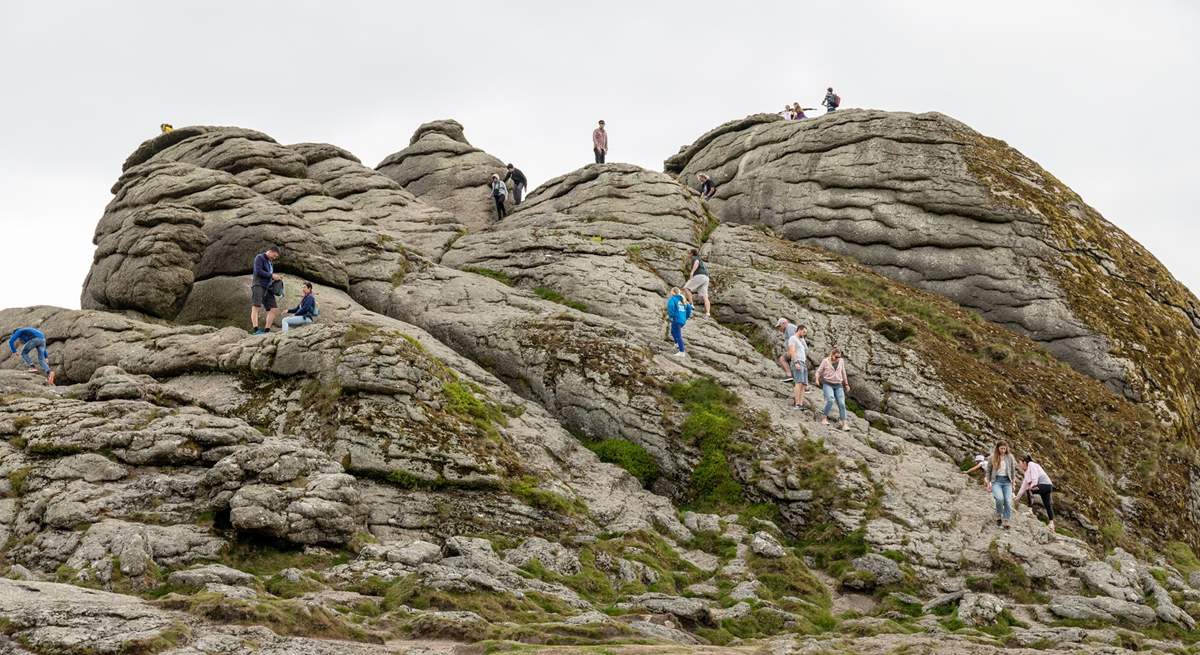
pixel 1001 473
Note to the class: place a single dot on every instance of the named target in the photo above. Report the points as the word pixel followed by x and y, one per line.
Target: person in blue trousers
pixel 679 310
pixel 1002 472
pixel 305 312
pixel 34 341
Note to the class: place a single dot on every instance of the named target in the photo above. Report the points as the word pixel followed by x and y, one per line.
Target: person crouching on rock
pixel 1002 470
pixel 1035 481
pixel 305 312
pixel 831 375
pixel 499 191
pixel 261 296
pixel 788 329
pixel 679 310
pixel 698 279
pixel 32 340
pixel 981 464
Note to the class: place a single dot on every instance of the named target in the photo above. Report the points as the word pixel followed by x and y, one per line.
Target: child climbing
pixel 34 341
pixel 679 310
pixel 1035 481
pixel 698 279
pixel 1002 469
pixel 304 313
pixel 831 375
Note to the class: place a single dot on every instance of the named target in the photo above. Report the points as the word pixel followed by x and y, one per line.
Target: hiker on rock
pixel 788 329
pixel 981 464
pixel 679 310
pixel 797 353
pixel 305 312
pixel 798 112
pixel 1035 481
pixel 261 296
pixel 788 112
pixel 499 191
pixel 831 375
pixel 698 279
pixel 1002 470
pixel 600 143
pixel 832 101
pixel 707 188
pixel 518 183
pixel 34 341
pixel 166 127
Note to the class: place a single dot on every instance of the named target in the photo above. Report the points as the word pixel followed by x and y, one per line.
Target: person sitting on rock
pixel 1002 470
pixel 166 127
pixel 832 101
pixel 679 310
pixel 499 191
pixel 600 143
pixel 261 296
pixel 698 279
pixel 835 384
pixel 788 112
pixel 707 188
pixel 305 312
pixel 797 353
pixel 798 112
pixel 518 183
pixel 1035 481
pixel 34 341
pixel 788 329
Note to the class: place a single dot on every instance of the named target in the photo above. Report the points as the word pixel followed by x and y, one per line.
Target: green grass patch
pixel 629 456
pixel 878 294
pixel 546 293
pixel 17 480
pixel 526 489
pixel 498 276
pixel 710 425
pixel 1181 556
pixel 266 557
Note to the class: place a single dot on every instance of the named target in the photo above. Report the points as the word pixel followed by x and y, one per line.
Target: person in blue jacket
pixel 679 310
pixel 260 289
pixel 305 312
pixel 34 341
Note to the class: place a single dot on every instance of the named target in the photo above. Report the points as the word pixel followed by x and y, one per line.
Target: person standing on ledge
pixel 600 143
pixel 832 101
pixel 518 183
pixel 33 340
pixel 499 191
pixel 261 296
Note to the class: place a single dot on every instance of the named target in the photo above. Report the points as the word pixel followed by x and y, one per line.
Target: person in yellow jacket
pixel 166 127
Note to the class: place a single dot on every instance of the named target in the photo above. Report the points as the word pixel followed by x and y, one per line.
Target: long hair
pixel 996 454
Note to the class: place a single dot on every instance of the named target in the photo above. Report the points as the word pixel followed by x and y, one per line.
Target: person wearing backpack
pixel 304 313
pixel 832 101
pixel 679 310
pixel 261 296
pixel 499 192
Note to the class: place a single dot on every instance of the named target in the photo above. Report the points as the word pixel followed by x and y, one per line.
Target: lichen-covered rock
pixel 1101 608
pixel 979 609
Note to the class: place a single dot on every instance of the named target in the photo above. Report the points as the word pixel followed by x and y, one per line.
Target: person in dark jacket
pixel 832 101
pixel 305 312
pixel 34 341
pixel 499 192
pixel 708 188
pixel 260 289
pixel 518 183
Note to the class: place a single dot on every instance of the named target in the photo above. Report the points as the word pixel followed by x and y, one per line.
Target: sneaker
pixel 33 369
pixel 824 421
pixel 681 354
pixel 50 378
pixel 845 427
pixel 787 379
pixel 1051 526
pixel 999 521
pixel 256 330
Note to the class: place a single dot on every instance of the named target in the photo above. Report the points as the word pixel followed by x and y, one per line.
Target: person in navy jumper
pixel 260 289
pixel 305 312
pixel 34 341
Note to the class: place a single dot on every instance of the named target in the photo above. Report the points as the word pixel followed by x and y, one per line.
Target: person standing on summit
pixel 832 101
pixel 261 296
pixel 600 143
pixel 33 340
pixel 518 183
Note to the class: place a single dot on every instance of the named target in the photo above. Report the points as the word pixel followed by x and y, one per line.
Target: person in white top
pixel 1035 481
pixel 797 354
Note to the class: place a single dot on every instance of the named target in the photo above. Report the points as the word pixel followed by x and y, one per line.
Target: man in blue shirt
pixel 260 289
pixel 34 341
pixel 679 310
pixel 305 312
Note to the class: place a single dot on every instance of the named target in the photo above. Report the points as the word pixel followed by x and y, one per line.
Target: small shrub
pixel 487 272
pixel 629 456
pixel 893 330
pixel 546 293
pixel 17 479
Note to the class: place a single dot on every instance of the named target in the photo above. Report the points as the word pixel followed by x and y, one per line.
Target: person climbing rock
pixel 679 310
pixel 499 191
pixel 600 143
pixel 831 375
pixel 305 312
pixel 165 127
pixel 698 279
pixel 1002 469
pixel 518 183
pixel 981 464
pixel 707 188
pixel 797 352
pixel 261 296
pixel 788 329
pixel 1035 481
pixel 832 101
pixel 34 341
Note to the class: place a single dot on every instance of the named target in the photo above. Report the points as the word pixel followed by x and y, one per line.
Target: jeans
pixel 677 334
pixel 43 357
pixel 499 206
pixel 518 191
pixel 832 393
pixel 599 155
pixel 1002 492
pixel 295 321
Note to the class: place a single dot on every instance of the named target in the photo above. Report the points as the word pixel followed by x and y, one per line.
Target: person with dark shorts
pixel 1035 481
pixel 261 296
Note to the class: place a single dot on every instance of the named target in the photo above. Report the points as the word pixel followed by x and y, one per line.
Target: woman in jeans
pixel 831 375
pixel 1035 481
pixel 1002 472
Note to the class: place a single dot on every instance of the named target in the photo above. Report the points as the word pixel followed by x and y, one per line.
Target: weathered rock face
pixel 928 201
pixel 443 169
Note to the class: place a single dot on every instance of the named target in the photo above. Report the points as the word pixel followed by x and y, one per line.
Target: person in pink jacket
pixel 1035 481
pixel 832 378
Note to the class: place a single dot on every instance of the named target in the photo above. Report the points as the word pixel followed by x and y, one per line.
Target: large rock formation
pixel 440 457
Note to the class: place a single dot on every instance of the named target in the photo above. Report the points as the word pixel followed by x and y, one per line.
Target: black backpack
pixel 277 288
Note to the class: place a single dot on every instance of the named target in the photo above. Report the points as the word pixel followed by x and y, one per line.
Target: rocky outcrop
pixel 444 170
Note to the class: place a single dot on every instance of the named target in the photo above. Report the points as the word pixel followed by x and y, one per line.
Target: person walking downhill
pixel 698 280
pixel 832 101
pixel 600 143
pixel 707 188
pixel 1002 470
pixel 1035 481
pixel 304 313
pixel 499 191
pixel 32 340
pixel 518 183
pixel 679 310
pixel 788 329
pixel 831 375
pixel 797 352
pixel 261 296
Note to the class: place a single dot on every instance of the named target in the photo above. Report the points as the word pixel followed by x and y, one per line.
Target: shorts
pixel 262 297
pixel 698 285
pixel 800 373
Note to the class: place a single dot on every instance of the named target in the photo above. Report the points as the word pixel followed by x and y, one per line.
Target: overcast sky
pixel 1103 94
